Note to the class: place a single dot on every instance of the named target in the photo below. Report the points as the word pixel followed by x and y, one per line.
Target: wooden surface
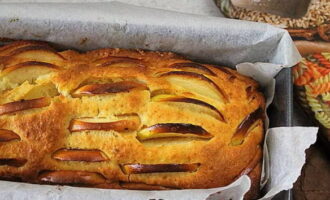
pixel 314 182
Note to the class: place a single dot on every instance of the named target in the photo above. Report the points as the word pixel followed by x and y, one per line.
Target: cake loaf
pixel 125 119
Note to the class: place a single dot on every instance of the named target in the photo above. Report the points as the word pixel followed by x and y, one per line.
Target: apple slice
pixel 7 135
pixel 175 98
pixel 33 53
pixel 47 89
pixel 79 155
pixel 196 83
pixel 169 130
pixel 108 88
pixel 159 168
pixel 193 67
pixel 119 126
pixel 113 60
pixel 72 177
pixel 30 64
pixel 24 105
pixel 142 186
pixel 26 71
pixel 7 49
pixel 29 91
pixel 36 51
pixel 246 125
pixel 224 70
pixel 231 75
pixel 13 162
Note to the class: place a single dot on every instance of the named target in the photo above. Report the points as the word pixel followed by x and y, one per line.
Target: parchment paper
pixel 95 25
pixel 209 39
pixel 198 7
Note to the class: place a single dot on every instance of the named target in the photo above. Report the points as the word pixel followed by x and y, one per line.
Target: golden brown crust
pixel 184 113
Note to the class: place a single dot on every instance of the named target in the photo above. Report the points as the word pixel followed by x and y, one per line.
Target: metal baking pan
pixel 280 112
pixel 285 112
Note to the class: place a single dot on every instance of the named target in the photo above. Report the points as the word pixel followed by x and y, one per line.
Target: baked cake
pixel 125 119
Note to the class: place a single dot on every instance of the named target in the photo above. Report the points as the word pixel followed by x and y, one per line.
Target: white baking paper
pixel 198 7
pixel 287 156
pixel 23 191
pixel 88 26
pixel 95 25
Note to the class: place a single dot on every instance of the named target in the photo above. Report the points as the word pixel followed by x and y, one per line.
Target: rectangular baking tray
pixel 281 112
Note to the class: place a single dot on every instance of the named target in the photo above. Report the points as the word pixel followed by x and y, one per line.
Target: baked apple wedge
pixel 30 64
pixel 26 71
pixel 38 53
pixel 79 155
pixel 7 49
pixel 47 89
pixel 175 98
pixel 141 186
pixel 24 105
pixel 193 67
pixel 118 61
pixel 108 88
pixel 169 130
pixel 119 126
pixel 71 177
pixel 159 168
pixel 247 124
pixel 196 83
pixel 7 135
pixel 13 162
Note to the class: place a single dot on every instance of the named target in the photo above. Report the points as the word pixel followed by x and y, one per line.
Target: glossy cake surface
pixel 130 119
